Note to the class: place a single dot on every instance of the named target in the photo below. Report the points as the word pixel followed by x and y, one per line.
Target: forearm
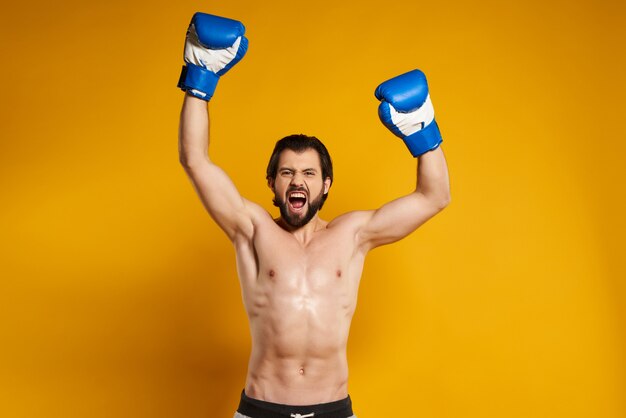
pixel 193 134
pixel 432 176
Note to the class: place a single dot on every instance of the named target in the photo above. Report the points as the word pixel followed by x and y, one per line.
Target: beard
pixel 294 220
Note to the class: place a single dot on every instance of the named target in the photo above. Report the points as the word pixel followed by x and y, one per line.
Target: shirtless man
pixel 300 274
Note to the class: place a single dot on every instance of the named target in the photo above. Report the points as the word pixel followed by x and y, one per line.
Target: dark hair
pixel 300 143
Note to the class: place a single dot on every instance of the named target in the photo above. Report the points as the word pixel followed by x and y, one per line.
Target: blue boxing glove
pixel 213 45
pixel 407 111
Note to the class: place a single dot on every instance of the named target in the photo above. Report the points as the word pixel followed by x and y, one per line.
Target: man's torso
pixel 300 299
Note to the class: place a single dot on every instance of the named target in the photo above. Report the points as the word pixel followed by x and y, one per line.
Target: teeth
pixel 298 194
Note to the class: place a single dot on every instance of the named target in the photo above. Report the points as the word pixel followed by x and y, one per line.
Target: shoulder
pixel 355 219
pixel 351 223
pixel 256 217
pixel 256 211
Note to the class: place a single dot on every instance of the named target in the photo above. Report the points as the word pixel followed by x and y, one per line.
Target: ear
pixel 270 183
pixel 327 184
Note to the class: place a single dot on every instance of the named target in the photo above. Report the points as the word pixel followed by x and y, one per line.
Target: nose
pixel 297 179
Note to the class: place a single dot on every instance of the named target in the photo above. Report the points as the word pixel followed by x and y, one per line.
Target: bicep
pixel 397 219
pixel 221 198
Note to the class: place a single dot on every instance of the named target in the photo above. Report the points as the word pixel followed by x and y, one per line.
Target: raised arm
pixel 215 189
pixel 398 218
pixel 213 45
pixel 407 111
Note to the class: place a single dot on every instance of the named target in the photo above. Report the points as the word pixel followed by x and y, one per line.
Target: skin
pixel 300 283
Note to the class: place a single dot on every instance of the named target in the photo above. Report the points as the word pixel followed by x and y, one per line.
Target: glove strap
pixel 425 140
pixel 198 81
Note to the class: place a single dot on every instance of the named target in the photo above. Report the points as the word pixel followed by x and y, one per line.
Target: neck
pixel 303 233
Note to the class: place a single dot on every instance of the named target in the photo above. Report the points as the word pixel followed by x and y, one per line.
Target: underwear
pixel 256 408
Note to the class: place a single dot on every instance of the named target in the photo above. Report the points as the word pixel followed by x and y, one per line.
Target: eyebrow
pixel 293 169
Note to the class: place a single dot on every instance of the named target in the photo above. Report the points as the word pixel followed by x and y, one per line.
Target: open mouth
pixel 297 200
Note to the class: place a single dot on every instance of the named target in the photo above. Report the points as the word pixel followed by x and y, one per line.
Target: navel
pixel 301 371
pixel 338 273
pixel 272 273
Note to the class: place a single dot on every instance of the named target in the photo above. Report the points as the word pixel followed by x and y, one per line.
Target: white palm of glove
pixel 409 123
pixel 212 59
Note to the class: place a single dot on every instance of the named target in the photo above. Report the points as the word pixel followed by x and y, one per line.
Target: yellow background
pixel 118 294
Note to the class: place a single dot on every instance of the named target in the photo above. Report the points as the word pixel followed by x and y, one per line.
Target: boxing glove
pixel 213 45
pixel 407 111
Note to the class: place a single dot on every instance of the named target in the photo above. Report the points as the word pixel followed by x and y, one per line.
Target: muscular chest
pixel 327 264
pixel 325 260
pixel 320 278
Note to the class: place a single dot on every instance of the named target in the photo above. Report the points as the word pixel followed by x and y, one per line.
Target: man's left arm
pixel 398 218
pixel 406 109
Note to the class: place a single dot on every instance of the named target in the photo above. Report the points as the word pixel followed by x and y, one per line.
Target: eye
pixel 309 173
pixel 286 173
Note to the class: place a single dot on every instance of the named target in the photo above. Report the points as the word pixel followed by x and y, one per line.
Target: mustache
pixel 297 189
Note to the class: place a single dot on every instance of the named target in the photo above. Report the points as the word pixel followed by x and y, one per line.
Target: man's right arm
pixel 212 46
pixel 216 190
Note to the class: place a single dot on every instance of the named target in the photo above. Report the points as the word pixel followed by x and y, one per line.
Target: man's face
pixel 299 186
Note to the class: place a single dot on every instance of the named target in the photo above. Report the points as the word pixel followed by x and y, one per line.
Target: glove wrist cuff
pixel 198 81
pixel 425 140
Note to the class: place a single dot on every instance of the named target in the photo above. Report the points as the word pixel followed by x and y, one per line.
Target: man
pixel 300 274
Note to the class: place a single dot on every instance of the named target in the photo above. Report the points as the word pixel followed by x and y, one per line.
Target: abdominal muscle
pixel 299 325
